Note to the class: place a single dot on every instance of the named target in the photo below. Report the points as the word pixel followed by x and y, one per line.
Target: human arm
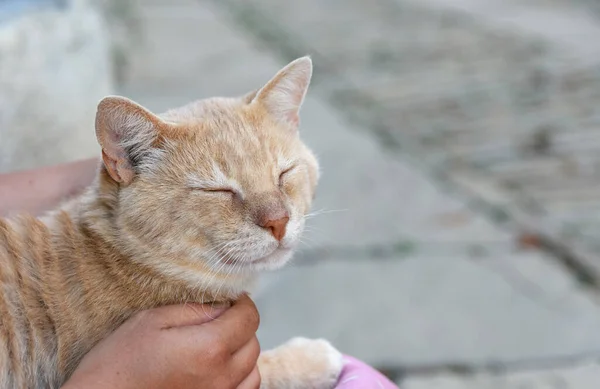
pixel 38 190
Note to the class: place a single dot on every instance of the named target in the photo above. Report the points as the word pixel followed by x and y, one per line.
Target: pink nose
pixel 276 226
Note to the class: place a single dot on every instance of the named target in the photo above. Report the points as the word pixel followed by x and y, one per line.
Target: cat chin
pixel 276 260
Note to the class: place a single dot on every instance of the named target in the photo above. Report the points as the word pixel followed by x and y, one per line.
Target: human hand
pixel 178 346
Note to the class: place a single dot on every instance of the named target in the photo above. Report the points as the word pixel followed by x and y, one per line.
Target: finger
pixel 244 360
pixel 236 326
pixel 252 381
pixel 241 365
pixel 182 315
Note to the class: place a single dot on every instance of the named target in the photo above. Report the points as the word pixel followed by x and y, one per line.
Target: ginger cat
pixel 189 205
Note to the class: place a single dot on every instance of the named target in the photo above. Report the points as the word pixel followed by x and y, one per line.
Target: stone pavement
pixel 580 377
pixel 396 270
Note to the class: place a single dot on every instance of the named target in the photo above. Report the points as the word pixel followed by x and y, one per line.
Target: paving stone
pixel 187 48
pixel 427 310
pixel 584 376
pixel 376 198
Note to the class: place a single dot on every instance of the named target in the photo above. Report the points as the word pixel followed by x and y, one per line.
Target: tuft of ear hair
pixel 127 132
pixel 284 94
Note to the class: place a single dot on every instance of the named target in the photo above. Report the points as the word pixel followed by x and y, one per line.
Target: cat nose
pixel 276 226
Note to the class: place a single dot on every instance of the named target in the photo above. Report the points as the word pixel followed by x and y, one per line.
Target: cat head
pixel 221 184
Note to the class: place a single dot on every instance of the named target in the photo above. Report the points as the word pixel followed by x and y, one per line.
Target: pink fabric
pixel 358 375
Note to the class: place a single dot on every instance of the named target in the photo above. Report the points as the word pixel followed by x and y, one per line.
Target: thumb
pixel 183 315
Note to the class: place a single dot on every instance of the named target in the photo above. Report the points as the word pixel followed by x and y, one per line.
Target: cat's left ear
pixel 284 94
pixel 128 134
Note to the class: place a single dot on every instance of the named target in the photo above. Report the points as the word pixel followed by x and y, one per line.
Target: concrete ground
pixel 396 270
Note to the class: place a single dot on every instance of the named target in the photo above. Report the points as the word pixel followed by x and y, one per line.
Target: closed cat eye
pixel 283 173
pixel 217 190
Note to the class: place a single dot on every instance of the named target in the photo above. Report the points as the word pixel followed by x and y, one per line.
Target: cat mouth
pixel 262 260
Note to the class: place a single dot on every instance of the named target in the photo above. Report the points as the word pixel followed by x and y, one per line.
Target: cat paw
pixel 306 364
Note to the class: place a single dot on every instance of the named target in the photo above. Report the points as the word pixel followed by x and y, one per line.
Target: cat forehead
pixel 230 138
pixel 226 125
pixel 237 134
pixel 214 108
pixel 232 149
pixel 229 133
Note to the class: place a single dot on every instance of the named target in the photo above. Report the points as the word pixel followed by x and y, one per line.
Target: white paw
pixel 319 349
pixel 315 363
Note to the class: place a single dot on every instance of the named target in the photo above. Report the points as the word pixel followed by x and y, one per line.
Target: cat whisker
pixel 229 272
pixel 215 272
pixel 221 247
pixel 322 212
pixel 308 243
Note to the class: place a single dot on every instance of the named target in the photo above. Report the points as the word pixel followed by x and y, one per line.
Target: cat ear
pixel 126 132
pixel 283 95
pixel 248 97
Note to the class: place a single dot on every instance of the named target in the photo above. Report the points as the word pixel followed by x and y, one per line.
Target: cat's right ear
pixel 126 132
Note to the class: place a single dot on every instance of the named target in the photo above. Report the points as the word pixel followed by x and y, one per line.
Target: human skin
pixel 177 347
pixel 38 190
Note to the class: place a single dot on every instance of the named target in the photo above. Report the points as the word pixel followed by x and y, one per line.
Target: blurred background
pixel 454 245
